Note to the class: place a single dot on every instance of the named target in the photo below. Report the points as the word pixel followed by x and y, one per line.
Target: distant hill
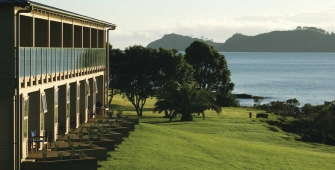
pixel 178 42
pixel 299 40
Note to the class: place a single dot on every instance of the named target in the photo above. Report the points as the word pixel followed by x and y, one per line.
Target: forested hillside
pixel 178 42
pixel 298 40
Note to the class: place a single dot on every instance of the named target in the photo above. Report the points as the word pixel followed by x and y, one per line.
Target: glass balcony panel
pixel 78 53
pixel 44 61
pixel 28 61
pixel 49 60
pixel 69 59
pixel 73 56
pixel 65 62
pixel 59 63
pixel 84 61
pixel 38 61
pixel 99 57
pixel 78 58
pixel 103 57
pixel 95 57
pixel 83 58
pixel 87 58
pixel 22 62
pixel 33 61
pixel 54 60
pixel 90 62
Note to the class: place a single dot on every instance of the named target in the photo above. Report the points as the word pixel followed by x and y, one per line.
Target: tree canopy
pixel 136 75
pixel 186 99
pixel 139 72
pixel 211 69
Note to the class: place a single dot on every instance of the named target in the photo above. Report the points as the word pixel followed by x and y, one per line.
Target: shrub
pixel 60 155
pixel 90 132
pixel 80 134
pixel 81 152
pixel 56 145
pixel 92 146
pixel 69 141
pixel 44 154
pixel 110 114
pixel 99 132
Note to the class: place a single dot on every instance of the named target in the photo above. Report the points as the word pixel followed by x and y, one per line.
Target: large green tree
pixel 186 99
pixel 137 76
pixel 117 62
pixel 172 67
pixel 211 69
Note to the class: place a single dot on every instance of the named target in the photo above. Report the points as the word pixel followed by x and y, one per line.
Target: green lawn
pixel 227 141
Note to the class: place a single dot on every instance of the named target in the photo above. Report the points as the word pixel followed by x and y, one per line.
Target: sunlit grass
pixel 230 140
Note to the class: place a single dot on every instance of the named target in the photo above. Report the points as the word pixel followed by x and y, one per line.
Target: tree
pixel 211 69
pixel 116 63
pixel 172 67
pixel 186 99
pixel 138 75
pixel 292 106
pixel 257 100
pixel 278 107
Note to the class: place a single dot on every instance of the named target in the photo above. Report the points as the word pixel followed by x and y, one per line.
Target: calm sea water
pixel 309 77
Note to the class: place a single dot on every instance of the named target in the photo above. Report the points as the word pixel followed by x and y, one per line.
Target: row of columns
pixel 47 110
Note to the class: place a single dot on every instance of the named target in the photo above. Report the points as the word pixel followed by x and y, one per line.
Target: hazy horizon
pixel 141 22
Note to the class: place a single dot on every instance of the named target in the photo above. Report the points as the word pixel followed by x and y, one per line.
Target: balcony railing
pixel 36 61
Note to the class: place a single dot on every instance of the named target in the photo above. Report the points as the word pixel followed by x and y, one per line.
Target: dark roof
pixel 21 3
pixel 36 5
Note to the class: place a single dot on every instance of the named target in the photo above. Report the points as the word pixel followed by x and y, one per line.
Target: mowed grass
pixel 227 141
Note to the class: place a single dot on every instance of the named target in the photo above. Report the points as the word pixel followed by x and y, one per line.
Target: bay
pixel 309 77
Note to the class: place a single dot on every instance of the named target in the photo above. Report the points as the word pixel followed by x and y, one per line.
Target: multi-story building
pixel 53 68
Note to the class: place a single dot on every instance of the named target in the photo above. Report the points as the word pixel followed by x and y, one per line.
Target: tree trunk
pixel 186 117
pixel 166 113
pixel 110 99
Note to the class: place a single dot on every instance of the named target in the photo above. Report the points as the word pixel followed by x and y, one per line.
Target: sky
pixel 143 21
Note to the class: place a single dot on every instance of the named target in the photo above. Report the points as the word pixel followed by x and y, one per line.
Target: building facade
pixel 53 68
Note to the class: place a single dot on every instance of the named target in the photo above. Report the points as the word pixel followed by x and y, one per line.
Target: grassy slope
pixel 227 141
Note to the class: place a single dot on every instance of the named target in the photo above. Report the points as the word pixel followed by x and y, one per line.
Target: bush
pixel 228 101
pixel 110 114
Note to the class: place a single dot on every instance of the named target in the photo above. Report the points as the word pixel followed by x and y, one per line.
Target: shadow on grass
pixel 274 129
pixel 126 108
pixel 176 122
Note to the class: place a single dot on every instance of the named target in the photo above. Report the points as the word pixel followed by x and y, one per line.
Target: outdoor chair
pixel 31 144
pixel 98 108
pixel 61 129
pixel 42 140
pixel 73 122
